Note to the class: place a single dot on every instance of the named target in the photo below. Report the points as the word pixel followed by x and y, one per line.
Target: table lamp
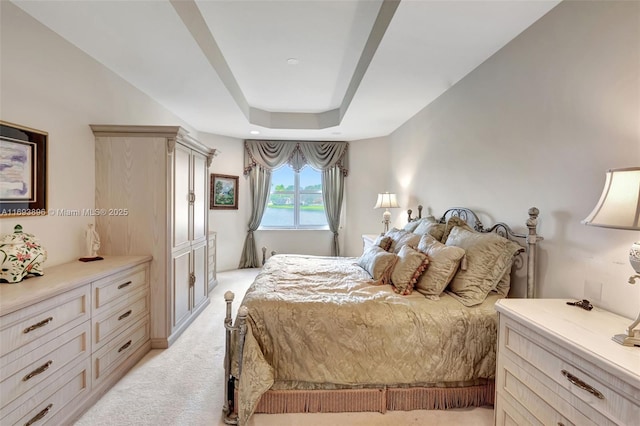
pixel 619 208
pixel 386 201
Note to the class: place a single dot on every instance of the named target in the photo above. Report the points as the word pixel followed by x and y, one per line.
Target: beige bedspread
pixel 320 321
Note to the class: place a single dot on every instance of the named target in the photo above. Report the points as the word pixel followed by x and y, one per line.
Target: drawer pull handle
pixel 123 316
pixel 125 346
pixel 121 286
pixel 37 371
pixel 582 385
pixel 40 415
pixel 38 325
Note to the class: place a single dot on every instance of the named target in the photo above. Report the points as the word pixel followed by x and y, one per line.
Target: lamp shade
pixel 619 205
pixel 386 201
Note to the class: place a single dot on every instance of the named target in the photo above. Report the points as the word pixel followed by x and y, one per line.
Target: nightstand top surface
pixel 587 332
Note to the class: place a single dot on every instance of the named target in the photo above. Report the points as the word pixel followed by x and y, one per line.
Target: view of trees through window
pixel 295 200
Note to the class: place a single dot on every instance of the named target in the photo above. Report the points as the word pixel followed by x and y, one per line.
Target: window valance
pixel 272 154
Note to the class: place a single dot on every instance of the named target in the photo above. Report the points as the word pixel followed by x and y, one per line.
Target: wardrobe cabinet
pixel 152 196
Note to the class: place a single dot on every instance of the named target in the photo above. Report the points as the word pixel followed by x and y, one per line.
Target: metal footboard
pixel 229 409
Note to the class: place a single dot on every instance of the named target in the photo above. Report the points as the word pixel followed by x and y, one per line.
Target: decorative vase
pixel 634 256
pixel 21 255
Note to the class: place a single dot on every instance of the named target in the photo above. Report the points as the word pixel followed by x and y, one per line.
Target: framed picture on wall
pixel 224 192
pixel 23 166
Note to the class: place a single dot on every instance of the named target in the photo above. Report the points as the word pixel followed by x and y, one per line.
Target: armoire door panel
pixel 181 195
pixel 200 287
pixel 200 208
pixel 181 284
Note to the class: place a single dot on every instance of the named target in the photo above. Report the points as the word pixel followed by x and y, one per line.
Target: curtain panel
pixel 261 157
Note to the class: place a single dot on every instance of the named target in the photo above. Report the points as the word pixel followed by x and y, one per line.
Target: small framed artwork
pixel 23 163
pixel 224 192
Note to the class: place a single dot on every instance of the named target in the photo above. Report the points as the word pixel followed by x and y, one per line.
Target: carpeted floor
pixel 183 385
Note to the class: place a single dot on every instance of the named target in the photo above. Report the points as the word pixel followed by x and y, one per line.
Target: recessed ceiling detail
pixel 194 21
pixel 365 66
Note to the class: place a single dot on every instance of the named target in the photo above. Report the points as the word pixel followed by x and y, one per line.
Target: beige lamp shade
pixel 619 205
pixel 386 201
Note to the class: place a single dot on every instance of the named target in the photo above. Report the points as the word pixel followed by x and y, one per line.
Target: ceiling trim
pixel 194 22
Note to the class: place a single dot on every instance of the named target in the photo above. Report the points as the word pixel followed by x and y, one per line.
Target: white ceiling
pixel 364 66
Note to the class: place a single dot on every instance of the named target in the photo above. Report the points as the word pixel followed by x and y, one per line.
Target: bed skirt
pixel 380 400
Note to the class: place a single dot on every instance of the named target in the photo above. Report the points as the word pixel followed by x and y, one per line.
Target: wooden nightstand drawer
pixel 120 285
pixel 546 401
pixel 509 412
pixel 572 377
pixel 41 319
pixel 121 314
pixel 560 365
pixel 32 368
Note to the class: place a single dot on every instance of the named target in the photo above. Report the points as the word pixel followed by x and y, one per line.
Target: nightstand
pixel 368 240
pixel 558 365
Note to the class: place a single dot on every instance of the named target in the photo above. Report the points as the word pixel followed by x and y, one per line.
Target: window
pixel 295 200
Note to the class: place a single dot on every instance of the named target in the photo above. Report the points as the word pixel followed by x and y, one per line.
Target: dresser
pixel 69 335
pixel 156 181
pixel 557 365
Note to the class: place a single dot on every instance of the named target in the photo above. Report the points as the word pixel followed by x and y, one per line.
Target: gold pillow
pixel 488 256
pixel 383 242
pixel 451 223
pixel 410 266
pixel 504 285
pixel 378 263
pixel 443 265
pixel 431 226
pixel 400 238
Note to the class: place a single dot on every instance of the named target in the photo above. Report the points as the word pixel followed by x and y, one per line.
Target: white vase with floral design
pixel 21 255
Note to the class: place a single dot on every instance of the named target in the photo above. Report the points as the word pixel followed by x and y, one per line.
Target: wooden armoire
pixel 152 197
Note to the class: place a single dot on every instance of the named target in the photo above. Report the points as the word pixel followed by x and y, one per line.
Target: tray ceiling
pixel 304 69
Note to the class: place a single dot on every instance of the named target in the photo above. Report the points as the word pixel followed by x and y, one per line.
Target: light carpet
pixel 183 385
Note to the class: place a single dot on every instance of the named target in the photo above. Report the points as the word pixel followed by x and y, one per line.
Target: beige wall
pixel 538 124
pixel 48 84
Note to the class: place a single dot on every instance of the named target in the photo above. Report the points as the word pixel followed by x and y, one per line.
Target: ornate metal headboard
pixel 530 239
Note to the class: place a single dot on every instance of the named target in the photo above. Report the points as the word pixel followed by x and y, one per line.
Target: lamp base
pixel 626 340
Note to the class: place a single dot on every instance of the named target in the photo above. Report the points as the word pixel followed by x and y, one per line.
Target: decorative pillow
pixel 487 256
pixel 431 226
pixel 410 266
pixel 378 263
pixel 411 226
pixel 400 238
pixel 443 265
pixel 504 285
pixel 454 221
pixel 383 242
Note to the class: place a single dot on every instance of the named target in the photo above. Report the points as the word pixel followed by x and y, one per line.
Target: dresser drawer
pixel 41 319
pixel 56 398
pixel 567 375
pixel 509 412
pixel 118 285
pixel 36 366
pixel 121 314
pixel 546 401
pixel 112 354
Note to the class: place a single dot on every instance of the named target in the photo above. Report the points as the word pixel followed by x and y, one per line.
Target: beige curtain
pixel 261 157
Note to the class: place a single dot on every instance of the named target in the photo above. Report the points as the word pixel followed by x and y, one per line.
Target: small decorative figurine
pixel 21 255
pixel 92 241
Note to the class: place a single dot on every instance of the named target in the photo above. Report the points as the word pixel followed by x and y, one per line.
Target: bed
pixel 399 328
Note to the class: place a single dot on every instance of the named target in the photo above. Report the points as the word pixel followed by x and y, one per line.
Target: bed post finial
pixel 409 211
pixel 532 240
pixel 420 211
